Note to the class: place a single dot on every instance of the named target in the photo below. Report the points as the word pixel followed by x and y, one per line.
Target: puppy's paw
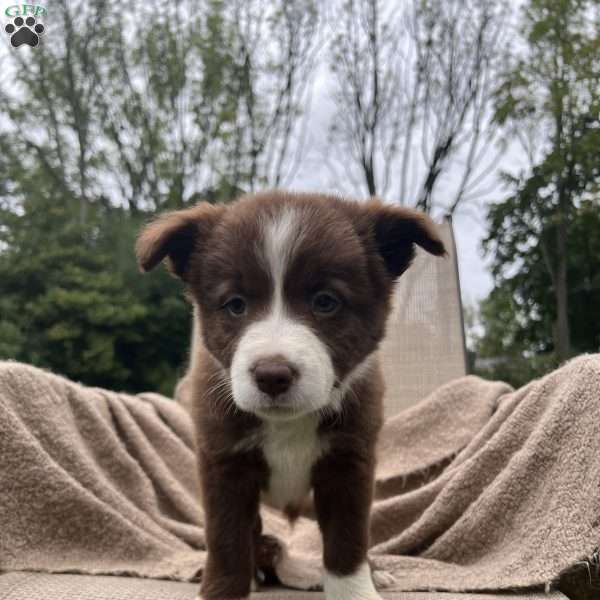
pixel 297 572
pixel 382 579
pixel 358 586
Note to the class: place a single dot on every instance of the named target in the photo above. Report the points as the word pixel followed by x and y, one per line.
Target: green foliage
pixel 519 314
pixel 543 239
pixel 73 302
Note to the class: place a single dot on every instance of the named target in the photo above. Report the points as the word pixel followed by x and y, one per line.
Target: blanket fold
pixel 479 487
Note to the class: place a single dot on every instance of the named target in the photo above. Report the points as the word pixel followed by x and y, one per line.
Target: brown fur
pixel 358 249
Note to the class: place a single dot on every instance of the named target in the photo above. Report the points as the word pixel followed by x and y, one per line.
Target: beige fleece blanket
pixel 478 487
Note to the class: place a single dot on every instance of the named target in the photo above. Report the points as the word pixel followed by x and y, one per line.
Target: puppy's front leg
pixel 231 490
pixel 343 491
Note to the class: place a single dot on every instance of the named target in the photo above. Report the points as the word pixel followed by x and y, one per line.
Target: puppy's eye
pixel 235 306
pixel 324 303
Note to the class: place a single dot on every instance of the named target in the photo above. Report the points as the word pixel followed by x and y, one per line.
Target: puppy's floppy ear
pixel 175 235
pixel 396 230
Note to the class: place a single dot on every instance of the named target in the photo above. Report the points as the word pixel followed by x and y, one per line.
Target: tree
pixel 150 112
pixel 365 65
pixel 118 118
pixel 553 93
pixel 72 300
pixel 414 90
pixel 274 48
pixel 515 322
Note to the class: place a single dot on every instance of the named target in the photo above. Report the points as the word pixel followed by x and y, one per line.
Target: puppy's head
pixel 293 290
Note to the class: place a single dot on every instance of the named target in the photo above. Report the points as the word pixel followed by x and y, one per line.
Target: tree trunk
pixel 562 334
pixel 370 178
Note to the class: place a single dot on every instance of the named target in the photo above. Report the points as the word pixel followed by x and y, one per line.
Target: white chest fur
pixel 291 449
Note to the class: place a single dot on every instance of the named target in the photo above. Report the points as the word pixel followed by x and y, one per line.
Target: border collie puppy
pixel 291 293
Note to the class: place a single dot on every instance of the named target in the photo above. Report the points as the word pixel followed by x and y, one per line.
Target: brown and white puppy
pixel 291 294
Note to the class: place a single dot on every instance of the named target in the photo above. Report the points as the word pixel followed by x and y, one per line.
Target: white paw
pixel 298 573
pixel 358 586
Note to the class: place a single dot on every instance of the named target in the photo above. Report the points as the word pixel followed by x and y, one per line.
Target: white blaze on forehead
pixel 281 237
pixel 278 332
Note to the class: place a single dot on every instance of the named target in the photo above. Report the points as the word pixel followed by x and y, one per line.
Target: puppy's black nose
pixel 273 377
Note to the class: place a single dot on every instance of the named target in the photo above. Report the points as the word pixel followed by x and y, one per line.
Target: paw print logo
pixel 24 31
